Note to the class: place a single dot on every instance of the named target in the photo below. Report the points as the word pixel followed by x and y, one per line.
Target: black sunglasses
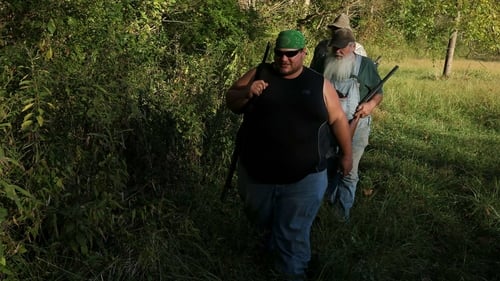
pixel 288 54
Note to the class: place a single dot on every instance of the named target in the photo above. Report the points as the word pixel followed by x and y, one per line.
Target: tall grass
pixel 427 206
pixel 428 203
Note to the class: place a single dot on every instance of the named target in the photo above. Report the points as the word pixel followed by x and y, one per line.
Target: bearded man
pixel 353 76
pixel 321 50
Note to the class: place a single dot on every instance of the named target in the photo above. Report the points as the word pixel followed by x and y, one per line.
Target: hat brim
pixel 338 44
pixel 331 26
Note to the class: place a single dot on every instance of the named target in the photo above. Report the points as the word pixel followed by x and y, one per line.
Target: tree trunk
pixel 247 4
pixel 449 54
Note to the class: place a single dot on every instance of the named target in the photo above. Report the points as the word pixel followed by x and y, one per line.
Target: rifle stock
pixel 353 123
pixel 234 156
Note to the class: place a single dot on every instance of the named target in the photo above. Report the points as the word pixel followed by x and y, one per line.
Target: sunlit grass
pixel 427 207
pixel 429 194
pixel 428 203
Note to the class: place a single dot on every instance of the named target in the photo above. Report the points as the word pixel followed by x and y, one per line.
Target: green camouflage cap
pixel 290 39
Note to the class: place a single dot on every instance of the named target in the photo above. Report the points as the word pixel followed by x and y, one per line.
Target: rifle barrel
pixel 353 123
pixel 379 85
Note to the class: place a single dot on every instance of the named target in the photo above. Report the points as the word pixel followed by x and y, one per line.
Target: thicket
pixel 105 106
pixel 112 119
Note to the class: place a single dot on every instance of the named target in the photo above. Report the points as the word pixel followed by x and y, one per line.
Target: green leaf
pixel 3 214
pixel 10 191
pixel 39 119
pixel 51 26
pixel 22 191
pixel 26 124
pixel 9 160
pixel 59 183
pixel 26 101
pixel 26 107
pixel 21 249
pixel 25 84
pixel 48 54
pixel 28 116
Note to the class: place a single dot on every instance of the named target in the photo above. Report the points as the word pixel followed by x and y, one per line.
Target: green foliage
pixel 68 136
pixel 430 23
pixel 103 106
pixel 115 140
pixel 481 27
pixel 424 23
pixel 197 30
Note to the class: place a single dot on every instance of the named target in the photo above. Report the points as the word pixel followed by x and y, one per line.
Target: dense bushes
pixel 110 111
pixel 104 107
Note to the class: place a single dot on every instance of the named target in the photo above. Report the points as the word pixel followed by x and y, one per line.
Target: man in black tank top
pixel 288 113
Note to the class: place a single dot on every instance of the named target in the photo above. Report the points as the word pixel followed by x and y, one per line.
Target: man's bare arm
pixel 240 93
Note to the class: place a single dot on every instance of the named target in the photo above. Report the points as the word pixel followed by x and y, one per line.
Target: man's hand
pixel 257 88
pixel 346 164
pixel 366 108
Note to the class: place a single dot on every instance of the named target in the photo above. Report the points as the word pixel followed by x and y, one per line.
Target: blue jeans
pixel 287 211
pixel 341 190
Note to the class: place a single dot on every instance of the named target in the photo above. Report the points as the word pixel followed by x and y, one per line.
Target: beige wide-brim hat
pixel 341 21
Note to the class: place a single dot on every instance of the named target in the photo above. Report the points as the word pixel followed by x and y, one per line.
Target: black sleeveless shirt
pixel 284 128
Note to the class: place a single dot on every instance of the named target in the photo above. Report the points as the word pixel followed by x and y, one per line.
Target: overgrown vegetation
pixel 115 141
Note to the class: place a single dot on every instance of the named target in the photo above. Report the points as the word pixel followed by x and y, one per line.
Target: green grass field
pixel 428 203
pixel 427 206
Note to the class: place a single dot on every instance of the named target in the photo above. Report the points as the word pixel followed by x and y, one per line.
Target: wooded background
pixel 112 112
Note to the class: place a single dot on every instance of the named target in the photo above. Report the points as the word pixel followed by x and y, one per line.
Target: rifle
pixel 353 123
pixel 234 156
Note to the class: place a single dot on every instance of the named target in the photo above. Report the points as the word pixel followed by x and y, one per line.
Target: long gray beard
pixel 339 69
